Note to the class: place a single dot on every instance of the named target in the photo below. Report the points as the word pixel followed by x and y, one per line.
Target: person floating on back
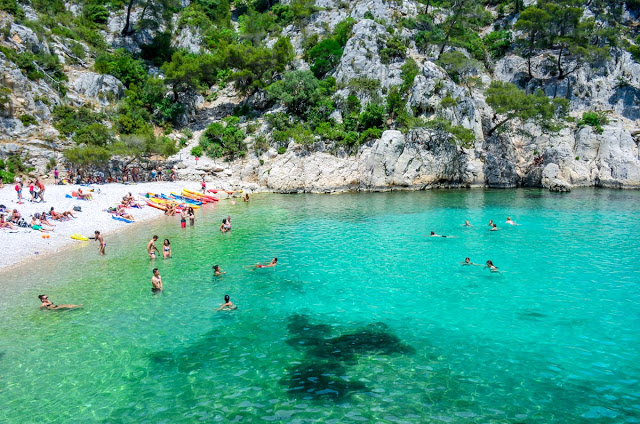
pixel 47 304
pixel 271 264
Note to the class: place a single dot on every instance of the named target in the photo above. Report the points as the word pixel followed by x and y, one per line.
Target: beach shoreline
pixel 28 245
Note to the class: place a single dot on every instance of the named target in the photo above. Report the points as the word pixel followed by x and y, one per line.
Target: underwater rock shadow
pixel 321 374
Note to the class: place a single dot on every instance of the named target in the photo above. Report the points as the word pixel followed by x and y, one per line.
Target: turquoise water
pixel 364 320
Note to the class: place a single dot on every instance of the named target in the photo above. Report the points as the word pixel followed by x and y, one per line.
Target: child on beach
pixel 100 239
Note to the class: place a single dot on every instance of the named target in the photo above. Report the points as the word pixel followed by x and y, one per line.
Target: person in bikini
pixel 151 247
pixel 166 249
pixel 271 264
pixel 47 304
pixel 44 220
pixel 6 224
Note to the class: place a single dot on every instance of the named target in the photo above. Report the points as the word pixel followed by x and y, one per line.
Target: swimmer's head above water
pixel 226 298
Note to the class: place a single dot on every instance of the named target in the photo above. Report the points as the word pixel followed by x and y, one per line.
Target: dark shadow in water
pixel 320 376
pixel 530 315
pixel 320 381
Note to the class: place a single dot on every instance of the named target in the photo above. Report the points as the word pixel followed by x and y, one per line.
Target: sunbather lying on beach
pixel 15 216
pixel 46 303
pixel 123 213
pixel 37 225
pixel 6 224
pixel 44 220
pixel 84 196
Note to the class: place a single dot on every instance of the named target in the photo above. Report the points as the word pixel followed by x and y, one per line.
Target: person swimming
pixel 217 270
pixel 467 224
pixel 467 261
pixel 510 222
pixel 227 305
pixel 433 234
pixel 494 227
pixel 166 249
pixel 490 223
pixel 46 303
pixel 271 264
pixel 491 267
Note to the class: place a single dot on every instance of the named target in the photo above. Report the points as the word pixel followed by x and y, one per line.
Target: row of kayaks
pixel 187 198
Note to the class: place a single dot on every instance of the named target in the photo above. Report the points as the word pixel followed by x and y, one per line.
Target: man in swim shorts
pixel 156 281
pixel 47 304
pixel 151 247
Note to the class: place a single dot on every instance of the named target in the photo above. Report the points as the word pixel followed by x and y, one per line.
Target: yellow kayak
pixel 79 237
pixel 171 202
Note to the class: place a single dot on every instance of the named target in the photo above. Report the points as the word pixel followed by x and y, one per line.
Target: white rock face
pixel 362 60
pixel 189 39
pixel 104 89
pixel 26 39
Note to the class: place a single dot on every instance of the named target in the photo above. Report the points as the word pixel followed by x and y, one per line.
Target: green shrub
pixel 324 57
pixel 28 120
pixel 68 120
pixel 595 120
pixel 498 43
pixel 224 139
pixel 94 134
pixel 123 66
pixel 343 31
pixel 282 150
pixel 372 116
pixel 197 151
pixel 409 71
pixel 395 48
pixel 448 101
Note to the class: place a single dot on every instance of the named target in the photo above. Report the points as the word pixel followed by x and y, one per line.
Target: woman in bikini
pixel 271 264
pixel 46 303
pixel 166 249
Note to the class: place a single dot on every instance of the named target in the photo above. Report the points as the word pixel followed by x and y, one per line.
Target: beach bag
pixel 77 208
pixel 23 223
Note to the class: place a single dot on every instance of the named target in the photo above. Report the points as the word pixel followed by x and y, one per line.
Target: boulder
pixel 104 89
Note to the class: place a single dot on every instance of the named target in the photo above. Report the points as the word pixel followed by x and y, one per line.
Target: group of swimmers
pixel 152 249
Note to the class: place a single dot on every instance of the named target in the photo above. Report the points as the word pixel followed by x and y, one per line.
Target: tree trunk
pixel 126 31
pixel 498 125
pixel 561 74
pixel 453 22
pixel 426 9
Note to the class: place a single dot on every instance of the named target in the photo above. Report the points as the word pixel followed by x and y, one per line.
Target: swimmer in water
pixel 510 222
pixel 151 247
pixel 217 270
pixel 490 223
pixel 438 235
pixel 491 267
pixel 467 224
pixel 467 261
pixel 47 304
pixel 156 281
pixel 227 305
pixel 271 264
pixel 166 249
pixel 494 227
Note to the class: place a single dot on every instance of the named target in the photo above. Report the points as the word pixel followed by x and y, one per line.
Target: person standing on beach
pixel 203 184
pixel 151 247
pixel 19 191
pixel 55 175
pixel 41 186
pixel 156 281
pixel 100 240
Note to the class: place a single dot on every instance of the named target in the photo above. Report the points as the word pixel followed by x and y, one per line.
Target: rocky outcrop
pixel 103 89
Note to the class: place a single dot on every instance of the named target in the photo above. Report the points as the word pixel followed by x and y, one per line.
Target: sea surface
pixel 364 319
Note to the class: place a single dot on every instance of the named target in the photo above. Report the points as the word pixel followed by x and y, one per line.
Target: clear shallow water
pixel 364 320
